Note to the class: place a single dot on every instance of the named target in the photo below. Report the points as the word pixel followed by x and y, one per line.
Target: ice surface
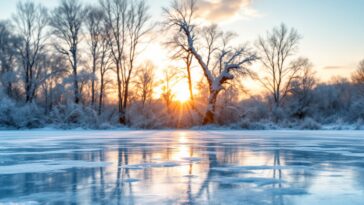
pixel 182 167
pixel 261 167
pixel 288 191
pixel 130 180
pixel 151 165
pixel 49 166
pixel 65 151
pixel 257 181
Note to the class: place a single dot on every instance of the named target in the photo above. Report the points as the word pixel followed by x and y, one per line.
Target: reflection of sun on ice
pixel 183 150
pixel 182 137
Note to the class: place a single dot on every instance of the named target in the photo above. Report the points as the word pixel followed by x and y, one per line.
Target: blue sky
pixel 332 30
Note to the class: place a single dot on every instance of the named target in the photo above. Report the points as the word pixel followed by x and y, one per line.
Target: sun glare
pixel 182 94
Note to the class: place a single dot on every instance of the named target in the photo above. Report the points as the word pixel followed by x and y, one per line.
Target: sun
pixel 182 94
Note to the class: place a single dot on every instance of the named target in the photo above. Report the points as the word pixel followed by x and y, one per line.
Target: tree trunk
pixel 101 94
pixel 93 81
pixel 120 97
pixel 75 86
pixel 188 64
pixel 126 95
pixel 75 78
pixel 10 90
pixel 27 85
pixel 210 112
pixel 126 92
pixel 46 111
pixel 51 97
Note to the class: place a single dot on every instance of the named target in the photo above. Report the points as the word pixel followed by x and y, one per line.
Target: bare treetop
pixel 217 63
pixel 279 70
pixel 67 22
pixel 31 21
pixel 358 76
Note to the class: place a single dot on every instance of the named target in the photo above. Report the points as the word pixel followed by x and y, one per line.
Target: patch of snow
pixel 192 159
pixel 49 166
pixel 190 176
pixel 65 151
pixel 255 180
pixel 20 203
pixel 288 191
pixel 130 180
pixel 151 165
pixel 250 168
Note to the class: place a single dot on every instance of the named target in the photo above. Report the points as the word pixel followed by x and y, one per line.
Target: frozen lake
pixel 182 167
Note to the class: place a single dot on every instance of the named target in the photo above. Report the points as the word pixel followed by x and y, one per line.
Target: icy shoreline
pixel 262 127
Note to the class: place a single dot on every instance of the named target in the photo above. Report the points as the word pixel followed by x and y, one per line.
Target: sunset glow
pixel 182 94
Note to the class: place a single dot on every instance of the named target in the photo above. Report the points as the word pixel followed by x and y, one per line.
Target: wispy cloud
pixel 333 67
pixel 221 10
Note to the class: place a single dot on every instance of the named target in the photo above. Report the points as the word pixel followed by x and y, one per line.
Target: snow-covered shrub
pixel 105 126
pixel 245 124
pixel 149 117
pixel 356 111
pixel 109 117
pixel 7 107
pixel 249 125
pixel 255 110
pixel 290 123
pixel 29 116
pixel 279 114
pixel 359 124
pixel 310 124
pixel 73 115
pixel 19 116
pixel 332 101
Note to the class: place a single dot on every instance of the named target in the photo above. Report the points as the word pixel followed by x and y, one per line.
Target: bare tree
pixel 55 70
pixel 100 51
pixel 179 53
pixel 30 21
pixel 127 21
pixel 219 64
pixel 8 53
pixel 145 83
pixel 227 105
pixel 67 22
pixel 358 76
pixel 116 20
pixel 276 50
pixel 188 61
pixel 104 64
pixel 168 82
pixel 137 29
pixel 94 23
pixel 186 56
pixel 301 89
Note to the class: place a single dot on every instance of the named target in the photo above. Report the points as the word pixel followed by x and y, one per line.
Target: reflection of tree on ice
pixel 123 191
pixel 277 174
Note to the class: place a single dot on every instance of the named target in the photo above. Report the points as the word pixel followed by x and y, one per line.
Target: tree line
pixel 83 65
